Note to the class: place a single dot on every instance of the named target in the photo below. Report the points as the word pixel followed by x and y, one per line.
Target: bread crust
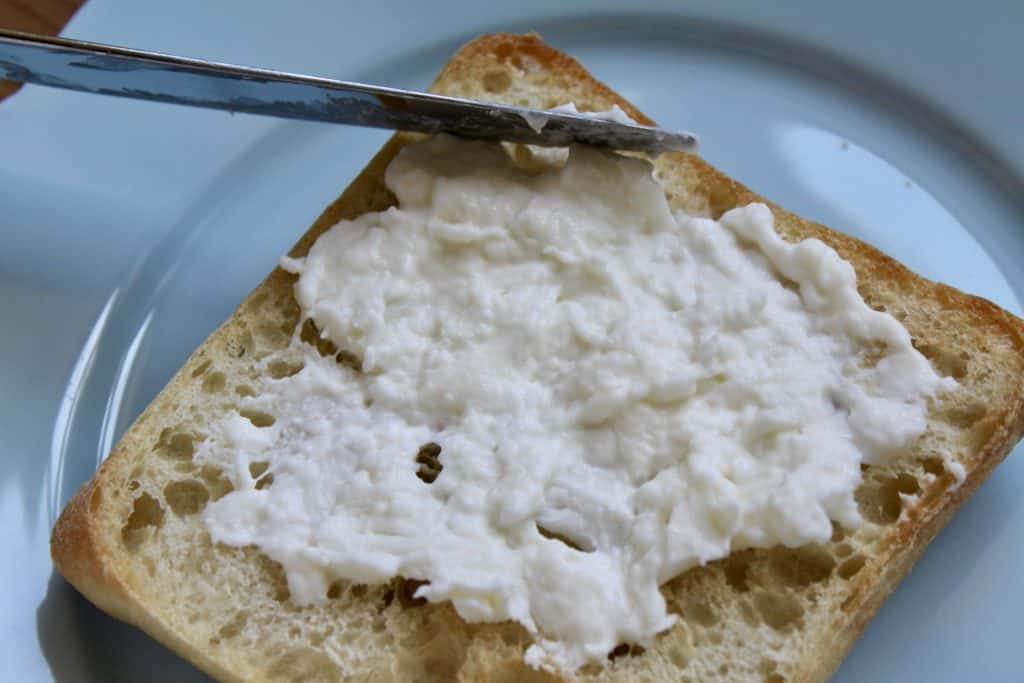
pixel 86 544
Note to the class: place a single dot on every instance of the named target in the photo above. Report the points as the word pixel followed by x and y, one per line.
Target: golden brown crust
pixel 86 553
pixel 80 554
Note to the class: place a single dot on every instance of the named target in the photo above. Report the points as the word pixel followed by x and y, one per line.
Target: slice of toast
pixel 132 542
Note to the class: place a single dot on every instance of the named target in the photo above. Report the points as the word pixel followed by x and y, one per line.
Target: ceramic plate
pixel 130 230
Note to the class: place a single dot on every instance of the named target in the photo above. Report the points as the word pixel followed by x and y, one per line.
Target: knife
pixel 123 72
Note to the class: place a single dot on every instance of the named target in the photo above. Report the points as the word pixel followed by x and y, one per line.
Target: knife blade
pixel 138 74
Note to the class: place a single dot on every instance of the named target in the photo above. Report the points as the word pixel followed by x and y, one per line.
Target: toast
pixel 132 540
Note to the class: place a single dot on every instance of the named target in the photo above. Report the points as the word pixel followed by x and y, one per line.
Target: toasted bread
pixel 132 540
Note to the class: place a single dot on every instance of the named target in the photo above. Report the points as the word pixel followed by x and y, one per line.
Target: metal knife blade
pixel 122 72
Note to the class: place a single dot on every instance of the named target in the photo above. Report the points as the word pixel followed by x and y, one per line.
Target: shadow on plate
pixel 81 643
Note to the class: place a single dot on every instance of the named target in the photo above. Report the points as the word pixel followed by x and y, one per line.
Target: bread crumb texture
pixel 759 615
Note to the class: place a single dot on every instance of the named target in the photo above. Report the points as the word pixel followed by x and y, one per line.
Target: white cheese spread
pixel 537 121
pixel 618 392
pixel 615 114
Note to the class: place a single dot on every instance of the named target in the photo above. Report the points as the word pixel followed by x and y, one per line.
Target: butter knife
pixel 123 72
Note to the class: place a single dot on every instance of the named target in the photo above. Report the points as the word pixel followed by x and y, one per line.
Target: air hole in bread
pixel 244 390
pixel 235 626
pixel 779 610
pixel 304 665
pixel 842 550
pixel 257 417
pixel 203 367
pixel 335 590
pixel 696 611
pixel 620 650
pixel 274 575
pixel 880 301
pixel 562 538
pixel 946 362
pixel 405 591
pixel 429 460
pixel 790 285
pixel 850 567
pixel 736 568
pixel 933 465
pixel 349 360
pixel 800 567
pixel 511 634
pixel 496 81
pixel 186 497
pixel 177 445
pixel 215 382
pixel 257 469
pixel 216 483
pixel 878 499
pixel 279 369
pixel 774 678
pixel 966 416
pixel 147 514
pixel 624 649
pixel 309 333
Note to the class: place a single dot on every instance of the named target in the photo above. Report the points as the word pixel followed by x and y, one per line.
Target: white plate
pixel 130 230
